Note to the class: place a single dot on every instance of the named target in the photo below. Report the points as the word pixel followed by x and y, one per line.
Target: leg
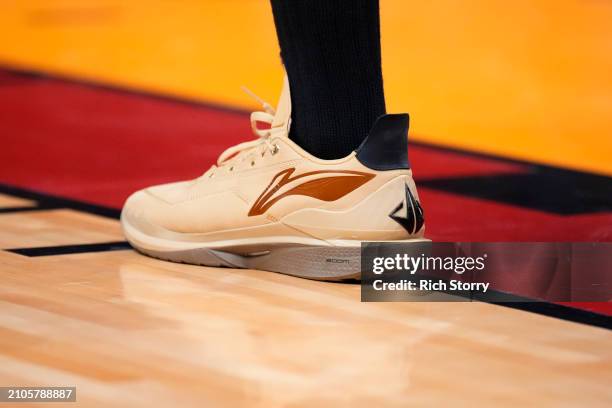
pixel 331 51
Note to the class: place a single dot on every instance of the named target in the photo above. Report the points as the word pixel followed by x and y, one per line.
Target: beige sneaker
pixel 267 204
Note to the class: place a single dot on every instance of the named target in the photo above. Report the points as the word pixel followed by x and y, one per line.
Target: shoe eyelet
pixel 275 148
pixel 231 168
pixel 252 163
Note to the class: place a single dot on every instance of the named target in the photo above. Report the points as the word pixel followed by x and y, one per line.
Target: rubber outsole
pixel 320 263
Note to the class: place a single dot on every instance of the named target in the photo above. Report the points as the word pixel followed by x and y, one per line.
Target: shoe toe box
pixel 148 207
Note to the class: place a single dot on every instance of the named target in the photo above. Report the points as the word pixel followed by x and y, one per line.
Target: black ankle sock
pixel 331 51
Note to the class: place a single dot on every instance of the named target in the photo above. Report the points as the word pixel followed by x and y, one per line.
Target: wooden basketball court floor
pixel 90 111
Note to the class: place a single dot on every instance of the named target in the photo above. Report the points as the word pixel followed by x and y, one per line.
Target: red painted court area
pixel 98 144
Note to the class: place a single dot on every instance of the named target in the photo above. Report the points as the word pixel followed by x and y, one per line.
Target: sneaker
pixel 267 204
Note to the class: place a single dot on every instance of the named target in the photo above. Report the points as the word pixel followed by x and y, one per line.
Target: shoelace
pixel 263 134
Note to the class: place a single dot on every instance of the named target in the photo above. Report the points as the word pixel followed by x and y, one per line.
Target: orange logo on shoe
pixel 323 185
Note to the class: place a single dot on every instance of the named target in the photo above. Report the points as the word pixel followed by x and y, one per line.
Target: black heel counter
pixel 386 146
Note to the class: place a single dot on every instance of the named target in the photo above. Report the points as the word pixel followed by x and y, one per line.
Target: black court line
pixel 5 210
pixel 48 201
pixel 544 189
pixel 546 308
pixel 71 249
pixel 561 312
pixel 38 207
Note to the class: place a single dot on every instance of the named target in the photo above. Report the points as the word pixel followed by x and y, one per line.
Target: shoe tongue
pixel 282 117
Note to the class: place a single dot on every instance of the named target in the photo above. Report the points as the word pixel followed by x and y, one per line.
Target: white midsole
pixel 147 242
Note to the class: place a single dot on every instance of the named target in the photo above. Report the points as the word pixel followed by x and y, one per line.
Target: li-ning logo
pixel 408 213
pixel 326 185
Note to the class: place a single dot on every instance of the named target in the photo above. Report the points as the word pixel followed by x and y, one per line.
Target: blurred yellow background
pixel 522 79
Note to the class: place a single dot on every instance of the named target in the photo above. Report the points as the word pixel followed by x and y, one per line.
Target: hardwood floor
pixel 128 330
